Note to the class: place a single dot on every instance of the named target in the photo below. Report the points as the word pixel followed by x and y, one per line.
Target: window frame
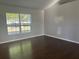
pixel 19 24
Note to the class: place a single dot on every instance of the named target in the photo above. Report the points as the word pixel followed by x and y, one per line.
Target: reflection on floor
pixel 42 47
pixel 20 50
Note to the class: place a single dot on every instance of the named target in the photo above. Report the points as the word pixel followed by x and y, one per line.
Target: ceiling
pixel 38 4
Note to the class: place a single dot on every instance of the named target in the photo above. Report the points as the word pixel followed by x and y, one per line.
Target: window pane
pixel 13 30
pixel 12 23
pixel 25 22
pixel 25 28
pixel 12 18
pixel 25 19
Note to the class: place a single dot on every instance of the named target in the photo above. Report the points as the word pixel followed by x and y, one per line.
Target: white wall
pixel 37 23
pixel 63 21
pixel 59 20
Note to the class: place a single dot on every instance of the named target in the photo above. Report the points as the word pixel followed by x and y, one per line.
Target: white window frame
pixel 19 24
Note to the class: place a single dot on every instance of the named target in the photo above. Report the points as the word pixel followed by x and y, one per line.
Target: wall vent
pixel 65 1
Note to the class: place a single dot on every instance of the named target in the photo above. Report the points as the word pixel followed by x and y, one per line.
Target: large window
pixel 18 23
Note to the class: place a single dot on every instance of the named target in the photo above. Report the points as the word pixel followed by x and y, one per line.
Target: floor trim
pixel 21 39
pixel 40 35
pixel 62 39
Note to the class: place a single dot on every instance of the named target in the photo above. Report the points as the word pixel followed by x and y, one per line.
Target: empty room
pixel 39 29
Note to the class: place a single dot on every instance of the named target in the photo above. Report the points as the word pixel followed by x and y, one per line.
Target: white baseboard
pixel 21 39
pixel 40 35
pixel 62 39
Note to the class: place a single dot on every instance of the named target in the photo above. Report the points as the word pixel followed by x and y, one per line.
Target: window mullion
pixel 19 23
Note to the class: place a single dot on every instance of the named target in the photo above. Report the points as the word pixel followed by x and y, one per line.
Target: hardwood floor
pixel 42 47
